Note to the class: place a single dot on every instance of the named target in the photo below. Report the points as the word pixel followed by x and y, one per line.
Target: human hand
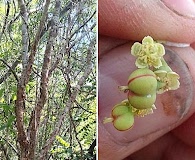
pixel 154 136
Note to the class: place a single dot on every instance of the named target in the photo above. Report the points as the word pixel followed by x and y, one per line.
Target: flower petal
pixel 172 75
pixel 157 63
pixel 147 40
pixel 165 68
pixel 174 84
pixel 136 48
pixel 161 49
pixel 160 74
pixel 140 63
pixel 173 80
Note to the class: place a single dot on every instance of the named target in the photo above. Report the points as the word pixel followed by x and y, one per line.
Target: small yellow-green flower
pixel 167 81
pixel 148 54
pixel 143 112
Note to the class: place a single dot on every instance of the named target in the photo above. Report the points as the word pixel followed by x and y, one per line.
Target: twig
pixel 83 24
pixel 27 71
pixel 9 27
pixel 67 7
pixel 76 134
pixel 82 108
pixel 10 69
pixel 91 148
pixel 5 152
pixel 25 37
pixel 5 21
pixel 15 150
pixel 55 65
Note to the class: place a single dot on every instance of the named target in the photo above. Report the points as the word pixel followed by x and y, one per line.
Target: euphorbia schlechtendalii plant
pixel 152 77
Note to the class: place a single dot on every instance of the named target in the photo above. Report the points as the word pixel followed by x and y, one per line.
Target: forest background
pixel 47 79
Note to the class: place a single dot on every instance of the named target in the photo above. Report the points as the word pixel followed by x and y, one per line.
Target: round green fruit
pixel 123 117
pixel 142 81
pixel 124 122
pixel 141 102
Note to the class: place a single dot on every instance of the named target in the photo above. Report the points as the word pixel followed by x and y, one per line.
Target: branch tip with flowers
pixel 153 76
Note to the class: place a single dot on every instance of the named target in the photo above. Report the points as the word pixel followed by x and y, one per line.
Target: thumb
pixel 173 107
pixel 170 20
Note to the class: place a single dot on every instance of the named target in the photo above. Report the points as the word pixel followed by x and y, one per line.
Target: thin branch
pixel 31 58
pixel 9 27
pixel 91 148
pixel 15 150
pixel 25 37
pixel 76 134
pixel 5 151
pixel 79 106
pixel 67 7
pixel 83 24
pixel 5 21
pixel 55 64
pixel 62 12
pixel 11 70
pixel 81 37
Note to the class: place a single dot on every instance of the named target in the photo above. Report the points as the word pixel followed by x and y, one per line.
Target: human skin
pixel 162 135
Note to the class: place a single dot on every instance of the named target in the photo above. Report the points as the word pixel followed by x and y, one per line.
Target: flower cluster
pixel 148 54
pixel 152 77
pixel 167 81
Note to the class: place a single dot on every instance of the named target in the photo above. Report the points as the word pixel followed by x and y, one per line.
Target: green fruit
pixel 124 121
pixel 123 117
pixel 141 102
pixel 142 82
pixel 120 110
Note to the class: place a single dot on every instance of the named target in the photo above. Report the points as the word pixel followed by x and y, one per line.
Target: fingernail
pixel 173 44
pixel 181 7
pixel 186 81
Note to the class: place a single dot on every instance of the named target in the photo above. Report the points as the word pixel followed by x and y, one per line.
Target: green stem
pixel 108 120
pixel 165 65
pixel 123 88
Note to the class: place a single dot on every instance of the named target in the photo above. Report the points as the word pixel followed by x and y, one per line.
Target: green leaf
pixel 10 121
pixel 1 92
pixel 63 142
pixel 3 127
